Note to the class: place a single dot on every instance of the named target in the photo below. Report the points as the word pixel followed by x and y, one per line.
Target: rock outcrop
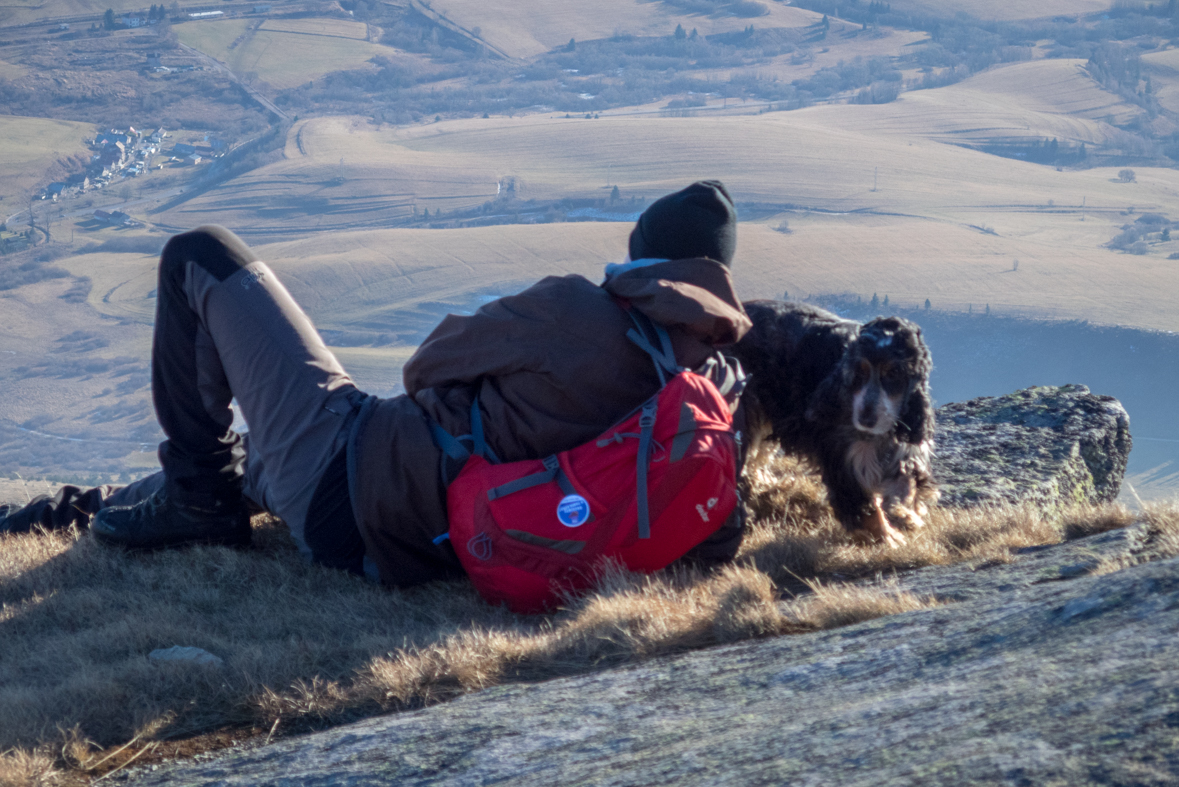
pixel 1039 674
pixel 1047 446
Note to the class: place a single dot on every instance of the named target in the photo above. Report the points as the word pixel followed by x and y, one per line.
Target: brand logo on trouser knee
pixel 252 278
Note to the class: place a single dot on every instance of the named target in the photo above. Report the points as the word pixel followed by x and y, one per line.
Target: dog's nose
pixel 867 417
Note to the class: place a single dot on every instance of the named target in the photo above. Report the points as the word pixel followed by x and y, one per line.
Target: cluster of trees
pixel 183 100
pixel 877 73
pixel 154 14
pixel 1134 237
pixel 741 8
pixel 964 45
pixel 21 271
pixel 575 78
pixel 1041 151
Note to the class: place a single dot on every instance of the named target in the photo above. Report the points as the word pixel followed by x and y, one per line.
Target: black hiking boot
pixel 158 523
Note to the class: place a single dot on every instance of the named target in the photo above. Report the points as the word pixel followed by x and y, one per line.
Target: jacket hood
pixel 695 295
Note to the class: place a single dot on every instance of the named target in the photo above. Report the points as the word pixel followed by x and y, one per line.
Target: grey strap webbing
pixel 646 429
pixel 664 357
pixel 552 471
pixel 665 367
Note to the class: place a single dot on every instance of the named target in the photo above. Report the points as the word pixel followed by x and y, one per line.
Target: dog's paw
pixel 907 518
pixel 876 529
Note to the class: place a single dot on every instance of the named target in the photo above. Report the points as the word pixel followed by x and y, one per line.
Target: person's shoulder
pixel 570 282
pixel 553 298
pixel 571 287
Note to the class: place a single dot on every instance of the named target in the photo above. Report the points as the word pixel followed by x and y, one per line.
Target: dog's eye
pixel 894 378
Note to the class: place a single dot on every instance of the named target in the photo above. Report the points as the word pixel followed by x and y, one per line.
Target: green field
pixel 283 53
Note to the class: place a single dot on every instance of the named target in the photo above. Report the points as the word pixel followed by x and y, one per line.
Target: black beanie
pixel 699 221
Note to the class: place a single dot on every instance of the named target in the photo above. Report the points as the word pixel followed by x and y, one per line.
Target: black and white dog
pixel 851 398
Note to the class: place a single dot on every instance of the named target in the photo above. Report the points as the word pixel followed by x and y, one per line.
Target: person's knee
pixel 215 249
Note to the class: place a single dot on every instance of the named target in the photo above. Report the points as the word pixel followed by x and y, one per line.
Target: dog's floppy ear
pixel 916 422
pixel 917 416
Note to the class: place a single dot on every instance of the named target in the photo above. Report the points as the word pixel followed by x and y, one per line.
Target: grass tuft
pixel 1090 520
pixel 834 605
pixel 303 647
pixel 19 768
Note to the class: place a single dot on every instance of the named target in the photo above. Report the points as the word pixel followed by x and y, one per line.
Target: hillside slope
pixel 529 27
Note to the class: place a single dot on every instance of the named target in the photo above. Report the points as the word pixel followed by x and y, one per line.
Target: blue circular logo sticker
pixel 573 511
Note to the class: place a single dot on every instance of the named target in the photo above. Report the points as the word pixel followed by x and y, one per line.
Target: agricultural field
pixel 283 53
pixel 530 27
pixel 1164 69
pixel 373 277
pixel 32 150
pixel 952 208
pixel 1003 10
pixel 24 12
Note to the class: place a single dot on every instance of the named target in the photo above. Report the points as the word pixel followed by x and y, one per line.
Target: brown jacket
pixel 552 367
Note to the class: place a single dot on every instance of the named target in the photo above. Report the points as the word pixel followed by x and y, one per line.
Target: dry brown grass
pixel 305 646
pixel 1162 540
pixel 25 769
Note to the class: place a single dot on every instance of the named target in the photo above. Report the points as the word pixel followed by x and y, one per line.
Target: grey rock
pixel 1049 446
pixel 1033 678
pixel 179 653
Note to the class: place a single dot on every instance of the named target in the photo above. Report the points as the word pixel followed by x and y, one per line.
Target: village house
pixel 111 156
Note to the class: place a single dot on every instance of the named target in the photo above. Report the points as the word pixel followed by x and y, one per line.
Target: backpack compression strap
pixel 665 366
pixel 453 446
pixel 646 428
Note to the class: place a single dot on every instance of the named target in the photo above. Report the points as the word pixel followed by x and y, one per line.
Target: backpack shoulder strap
pixel 644 334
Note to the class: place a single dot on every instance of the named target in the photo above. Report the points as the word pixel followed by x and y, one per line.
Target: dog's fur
pixel 854 400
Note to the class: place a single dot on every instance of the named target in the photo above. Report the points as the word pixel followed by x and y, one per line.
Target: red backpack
pixel 644 493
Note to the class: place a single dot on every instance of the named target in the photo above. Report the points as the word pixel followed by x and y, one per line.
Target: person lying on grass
pixel 359 479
